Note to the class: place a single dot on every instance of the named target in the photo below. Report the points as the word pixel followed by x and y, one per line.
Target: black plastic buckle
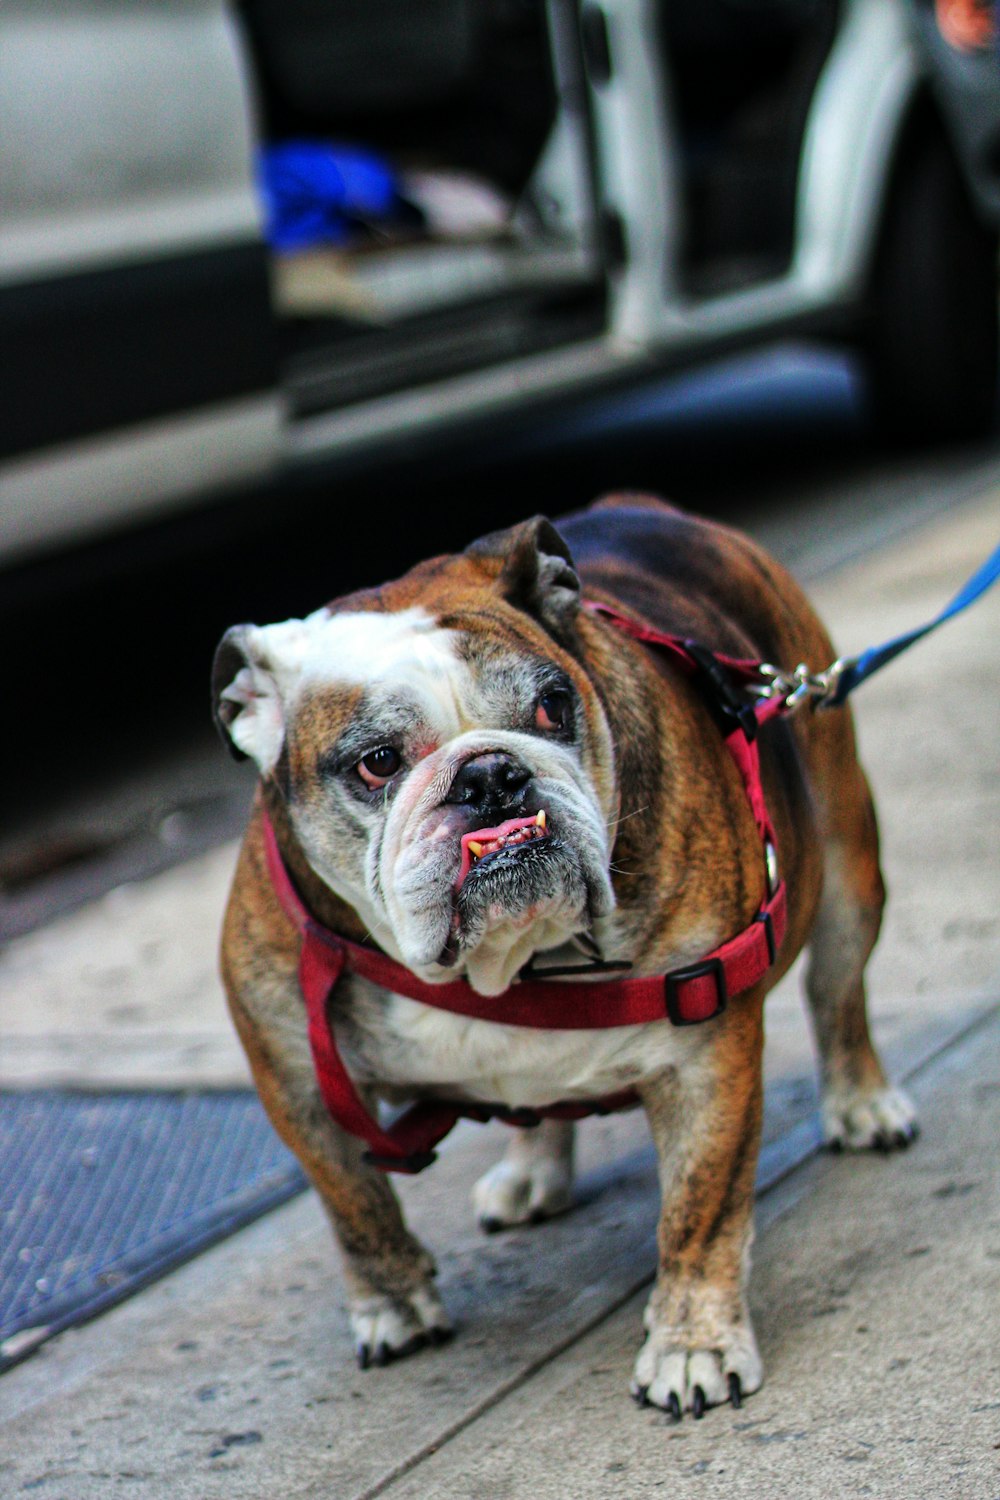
pixel 524 1118
pixel 764 918
pixel 723 694
pixel 415 1162
pixel 677 977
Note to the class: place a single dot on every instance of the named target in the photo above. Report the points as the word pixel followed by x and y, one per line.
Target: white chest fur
pixel 403 1045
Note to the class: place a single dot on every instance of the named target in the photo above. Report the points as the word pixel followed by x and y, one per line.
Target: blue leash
pixel 854 671
pixel 829 689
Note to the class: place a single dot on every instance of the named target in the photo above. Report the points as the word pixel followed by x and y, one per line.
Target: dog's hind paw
pixel 515 1192
pixel 868 1120
pixel 388 1328
pixel 680 1379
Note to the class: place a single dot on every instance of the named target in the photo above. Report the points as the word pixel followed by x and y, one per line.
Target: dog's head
pixel 443 754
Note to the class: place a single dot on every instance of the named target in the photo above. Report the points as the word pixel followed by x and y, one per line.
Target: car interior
pixel 484 243
pixel 484 247
pixel 742 75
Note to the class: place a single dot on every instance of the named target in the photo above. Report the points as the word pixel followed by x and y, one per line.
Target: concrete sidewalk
pixel 876 1281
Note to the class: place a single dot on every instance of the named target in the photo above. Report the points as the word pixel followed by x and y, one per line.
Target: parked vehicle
pixel 531 198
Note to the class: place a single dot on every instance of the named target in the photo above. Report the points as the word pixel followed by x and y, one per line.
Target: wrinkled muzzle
pixel 495 848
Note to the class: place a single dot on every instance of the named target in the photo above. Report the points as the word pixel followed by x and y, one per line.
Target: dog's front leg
pixel 705 1118
pixel 393 1303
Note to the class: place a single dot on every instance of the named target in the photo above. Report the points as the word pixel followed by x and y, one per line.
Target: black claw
pixel 698 1403
pixel 901 1140
pixel 363 1355
pixel 439 1335
pixel 640 1396
pixel 882 1141
pixel 383 1355
pixel 538 1216
pixel 735 1391
pixel 674 1406
pixel 836 1146
pixel 491 1226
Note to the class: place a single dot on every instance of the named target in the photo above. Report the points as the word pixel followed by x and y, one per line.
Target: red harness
pixel 685 996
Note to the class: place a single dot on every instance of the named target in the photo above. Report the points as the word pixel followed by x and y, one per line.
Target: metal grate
pixel 101 1194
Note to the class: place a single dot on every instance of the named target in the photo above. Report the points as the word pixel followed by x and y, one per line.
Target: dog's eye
pixel 553 712
pixel 379 766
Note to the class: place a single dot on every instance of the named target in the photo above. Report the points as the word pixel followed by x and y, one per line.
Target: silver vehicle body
pixel 127 143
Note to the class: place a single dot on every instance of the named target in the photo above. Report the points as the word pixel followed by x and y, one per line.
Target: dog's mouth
pixel 481 845
pixel 492 858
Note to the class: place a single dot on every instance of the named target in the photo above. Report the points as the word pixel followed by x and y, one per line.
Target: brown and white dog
pixel 475 692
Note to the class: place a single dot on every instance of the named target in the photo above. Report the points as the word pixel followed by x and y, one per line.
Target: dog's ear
pixel 246 700
pixel 536 572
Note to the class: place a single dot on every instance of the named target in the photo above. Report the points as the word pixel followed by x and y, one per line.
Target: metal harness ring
pixel 800 686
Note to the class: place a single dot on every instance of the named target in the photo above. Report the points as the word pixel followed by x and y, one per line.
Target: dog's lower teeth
pixel 478 848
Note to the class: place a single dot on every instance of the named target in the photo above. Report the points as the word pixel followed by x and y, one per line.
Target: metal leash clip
pixel 800 686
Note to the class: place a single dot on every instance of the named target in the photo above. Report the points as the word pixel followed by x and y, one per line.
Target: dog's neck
pixel 682 826
pixel 321 902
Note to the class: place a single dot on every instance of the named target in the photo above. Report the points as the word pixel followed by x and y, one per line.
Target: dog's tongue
pixel 482 841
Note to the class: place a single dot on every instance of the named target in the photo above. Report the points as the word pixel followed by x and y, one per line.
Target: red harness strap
pixel 685 996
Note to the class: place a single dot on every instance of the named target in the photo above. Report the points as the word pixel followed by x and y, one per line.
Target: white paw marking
pixel 679 1378
pixel 882 1119
pixel 515 1193
pixel 386 1328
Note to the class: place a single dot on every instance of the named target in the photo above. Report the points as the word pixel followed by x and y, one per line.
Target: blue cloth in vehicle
pixel 317 193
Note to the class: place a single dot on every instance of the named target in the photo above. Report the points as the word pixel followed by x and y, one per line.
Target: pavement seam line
pixel 947 497
pixel 785 1170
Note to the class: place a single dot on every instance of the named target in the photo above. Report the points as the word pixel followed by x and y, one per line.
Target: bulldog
pixel 480 783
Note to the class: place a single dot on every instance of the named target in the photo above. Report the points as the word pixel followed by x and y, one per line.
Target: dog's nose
pixel 492 782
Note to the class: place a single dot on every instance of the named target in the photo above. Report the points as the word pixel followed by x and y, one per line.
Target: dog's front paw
pixel 880 1119
pixel 388 1328
pixel 517 1192
pixel 680 1377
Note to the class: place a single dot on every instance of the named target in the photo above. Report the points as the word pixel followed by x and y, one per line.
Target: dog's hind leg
pixel 534 1180
pixel 860 1108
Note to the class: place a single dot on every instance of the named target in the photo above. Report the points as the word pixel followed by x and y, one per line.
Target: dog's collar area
pixel 686 996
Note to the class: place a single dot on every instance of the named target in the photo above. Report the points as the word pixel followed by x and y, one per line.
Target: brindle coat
pixel 686 869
